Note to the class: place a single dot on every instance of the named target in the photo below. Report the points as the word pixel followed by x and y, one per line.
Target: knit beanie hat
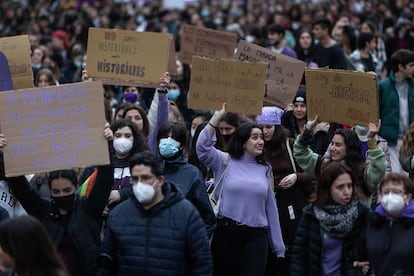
pixel 300 96
pixel 271 115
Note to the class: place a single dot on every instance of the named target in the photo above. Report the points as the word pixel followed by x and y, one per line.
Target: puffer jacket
pixel 168 239
pixel 84 223
pixel 389 108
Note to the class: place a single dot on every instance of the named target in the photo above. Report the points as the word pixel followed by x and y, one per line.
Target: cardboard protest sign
pixel 6 82
pixel 205 42
pixel 127 57
pixel 18 52
pixel 217 81
pixel 172 61
pixel 51 128
pixel 344 97
pixel 284 74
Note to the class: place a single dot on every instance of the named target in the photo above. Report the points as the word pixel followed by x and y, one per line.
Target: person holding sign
pixel 248 218
pixel 74 223
pixel 292 186
pixel 345 147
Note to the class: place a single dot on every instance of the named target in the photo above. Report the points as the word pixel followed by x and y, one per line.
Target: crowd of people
pixel 294 195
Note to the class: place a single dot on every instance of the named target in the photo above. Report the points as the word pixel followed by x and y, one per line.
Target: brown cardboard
pixel 122 56
pixel 344 97
pixel 57 127
pixel 205 42
pixel 217 81
pixel 172 64
pixel 284 74
pixel 18 52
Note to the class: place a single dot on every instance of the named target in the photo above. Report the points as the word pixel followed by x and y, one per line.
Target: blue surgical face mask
pixel 168 147
pixel 36 65
pixel 192 132
pixel 78 63
pixel 173 94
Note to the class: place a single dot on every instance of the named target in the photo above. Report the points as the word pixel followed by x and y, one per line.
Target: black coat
pixel 84 223
pixel 389 247
pixel 307 248
pixel 168 239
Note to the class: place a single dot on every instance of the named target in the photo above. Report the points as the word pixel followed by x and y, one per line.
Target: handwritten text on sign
pixel 17 51
pixel 206 43
pixel 123 56
pixel 343 97
pixel 284 74
pixel 217 81
pixel 53 128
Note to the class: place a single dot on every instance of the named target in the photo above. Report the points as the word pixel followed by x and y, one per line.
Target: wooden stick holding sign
pixel 217 81
pixel 57 127
pixel 284 74
pixel 127 57
pixel 344 97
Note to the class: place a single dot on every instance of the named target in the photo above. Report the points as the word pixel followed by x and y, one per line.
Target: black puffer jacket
pixel 168 239
pixel 84 223
pixel 308 245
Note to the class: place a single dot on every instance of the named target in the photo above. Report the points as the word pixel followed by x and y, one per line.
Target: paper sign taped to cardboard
pixel 205 42
pixel 283 76
pixel 52 128
pixel 18 52
pixel 127 57
pixel 217 81
pixel 344 97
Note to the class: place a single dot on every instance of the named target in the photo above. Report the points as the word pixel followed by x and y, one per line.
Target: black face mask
pixel 64 202
pixel 227 137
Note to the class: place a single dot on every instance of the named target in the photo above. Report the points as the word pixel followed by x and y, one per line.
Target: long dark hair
pixel 278 141
pixel 192 155
pixel 240 137
pixel 26 240
pixel 145 122
pixel 323 196
pixel 140 142
pixel 353 155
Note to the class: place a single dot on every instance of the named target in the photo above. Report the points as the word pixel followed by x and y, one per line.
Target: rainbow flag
pixel 87 186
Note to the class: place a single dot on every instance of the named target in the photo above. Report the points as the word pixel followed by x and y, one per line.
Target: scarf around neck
pixel 337 220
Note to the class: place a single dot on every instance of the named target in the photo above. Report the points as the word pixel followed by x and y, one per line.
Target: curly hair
pixel 407 146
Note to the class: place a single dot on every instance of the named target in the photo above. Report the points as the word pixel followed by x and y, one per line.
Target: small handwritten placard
pixel 18 52
pixel 284 74
pixel 127 57
pixel 57 127
pixel 344 97
pixel 205 42
pixel 217 81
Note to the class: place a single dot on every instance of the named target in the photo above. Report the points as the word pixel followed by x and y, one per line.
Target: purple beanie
pixel 271 115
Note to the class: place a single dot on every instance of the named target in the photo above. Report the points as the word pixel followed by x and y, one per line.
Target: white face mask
pixel 392 203
pixel 122 145
pixel 143 192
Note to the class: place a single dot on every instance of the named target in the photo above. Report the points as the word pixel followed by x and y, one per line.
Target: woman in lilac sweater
pixel 248 219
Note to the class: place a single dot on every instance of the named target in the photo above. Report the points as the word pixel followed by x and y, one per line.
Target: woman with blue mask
pixel 172 142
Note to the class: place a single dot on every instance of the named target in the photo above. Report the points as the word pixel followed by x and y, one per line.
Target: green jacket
pixel 389 108
pixel 373 171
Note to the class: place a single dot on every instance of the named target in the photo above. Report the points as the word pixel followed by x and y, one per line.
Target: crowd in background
pixel 297 196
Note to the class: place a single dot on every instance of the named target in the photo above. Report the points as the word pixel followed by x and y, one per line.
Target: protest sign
pixel 6 82
pixel 283 76
pixel 51 128
pixel 18 52
pixel 205 42
pixel 344 97
pixel 217 81
pixel 127 57
pixel 174 4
